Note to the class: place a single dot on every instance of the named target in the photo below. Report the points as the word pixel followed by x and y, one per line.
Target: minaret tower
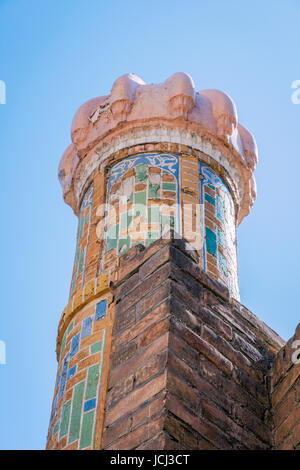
pixel 153 335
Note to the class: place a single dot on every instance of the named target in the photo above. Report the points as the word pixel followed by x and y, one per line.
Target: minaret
pixel 154 349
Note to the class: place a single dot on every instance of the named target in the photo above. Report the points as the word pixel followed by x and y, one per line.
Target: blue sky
pixel 55 55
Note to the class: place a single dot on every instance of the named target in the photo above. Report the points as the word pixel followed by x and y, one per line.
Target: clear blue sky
pixel 55 55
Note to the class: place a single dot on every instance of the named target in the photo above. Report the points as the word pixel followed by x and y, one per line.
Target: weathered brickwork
pixel 154 350
pixel 190 368
pixel 286 395
pixel 232 359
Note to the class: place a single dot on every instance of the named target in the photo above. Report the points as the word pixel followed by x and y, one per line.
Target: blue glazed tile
pixel 72 372
pixel 101 309
pixel 63 377
pixel 74 345
pixel 86 327
pixel 90 404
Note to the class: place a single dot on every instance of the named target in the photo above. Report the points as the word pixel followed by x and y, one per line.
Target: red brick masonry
pixel 286 396
pixel 191 368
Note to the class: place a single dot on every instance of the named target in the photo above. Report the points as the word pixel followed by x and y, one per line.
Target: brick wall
pixel 286 395
pixel 190 367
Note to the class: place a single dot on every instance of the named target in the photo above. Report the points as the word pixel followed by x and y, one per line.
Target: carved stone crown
pixel 136 113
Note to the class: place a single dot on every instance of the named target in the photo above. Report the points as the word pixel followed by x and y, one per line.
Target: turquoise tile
pixel 80 261
pixel 70 328
pixel 92 382
pixel 140 203
pixel 112 237
pixel 76 412
pixel 211 241
pixel 140 197
pixel 65 417
pixel 210 199
pixel 86 430
pixel 153 214
pixel 126 219
pixel 153 190
pixel 169 186
pixel 96 347
pixel 124 245
pixel 141 173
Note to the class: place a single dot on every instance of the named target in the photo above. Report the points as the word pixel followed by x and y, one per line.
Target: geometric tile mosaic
pixel 143 197
pixel 74 407
pixel 219 245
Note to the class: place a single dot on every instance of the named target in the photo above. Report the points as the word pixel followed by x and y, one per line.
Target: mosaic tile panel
pixel 143 198
pixel 77 391
pixel 219 246
pixel 84 220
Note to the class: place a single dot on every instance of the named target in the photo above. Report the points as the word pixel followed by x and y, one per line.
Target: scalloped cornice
pixel 136 113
